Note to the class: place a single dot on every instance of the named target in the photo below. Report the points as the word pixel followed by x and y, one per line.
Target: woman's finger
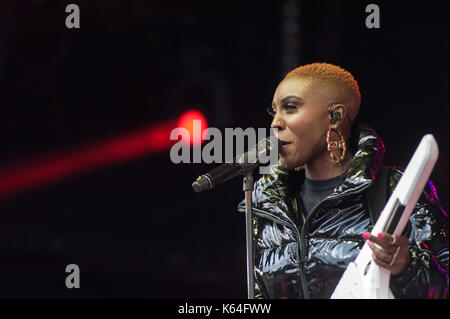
pixel 381 254
pixel 389 251
pixel 381 262
pixel 385 242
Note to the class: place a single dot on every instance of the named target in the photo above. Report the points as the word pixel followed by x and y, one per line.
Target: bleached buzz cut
pixel 332 74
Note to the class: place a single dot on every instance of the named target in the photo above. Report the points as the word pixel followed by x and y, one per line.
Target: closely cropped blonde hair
pixel 328 73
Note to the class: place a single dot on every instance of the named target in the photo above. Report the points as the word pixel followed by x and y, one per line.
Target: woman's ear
pixel 337 113
pixel 335 117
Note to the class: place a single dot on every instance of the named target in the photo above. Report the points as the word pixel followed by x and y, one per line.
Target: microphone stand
pixel 248 188
pixel 246 164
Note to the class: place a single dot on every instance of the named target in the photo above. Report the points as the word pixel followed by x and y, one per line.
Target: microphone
pixel 241 165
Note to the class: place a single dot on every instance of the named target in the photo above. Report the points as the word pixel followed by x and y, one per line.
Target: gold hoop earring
pixel 336 146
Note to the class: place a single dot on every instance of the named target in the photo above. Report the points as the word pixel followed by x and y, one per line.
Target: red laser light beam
pixel 58 166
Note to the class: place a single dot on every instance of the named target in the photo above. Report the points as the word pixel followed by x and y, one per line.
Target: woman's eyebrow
pixel 289 97
pixel 286 98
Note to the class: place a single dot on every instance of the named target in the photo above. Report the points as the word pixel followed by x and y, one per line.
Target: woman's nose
pixel 277 123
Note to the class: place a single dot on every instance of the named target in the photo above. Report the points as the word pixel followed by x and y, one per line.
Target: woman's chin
pixel 287 164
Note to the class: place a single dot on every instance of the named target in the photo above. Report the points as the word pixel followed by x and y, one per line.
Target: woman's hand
pixel 392 252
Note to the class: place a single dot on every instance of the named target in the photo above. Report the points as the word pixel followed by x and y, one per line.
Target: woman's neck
pixel 323 168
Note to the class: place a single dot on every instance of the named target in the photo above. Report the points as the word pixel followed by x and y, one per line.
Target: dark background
pixel 136 228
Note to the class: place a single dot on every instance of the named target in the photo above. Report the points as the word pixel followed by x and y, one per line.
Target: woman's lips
pixel 284 144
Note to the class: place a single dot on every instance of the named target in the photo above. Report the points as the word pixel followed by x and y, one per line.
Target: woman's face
pixel 302 120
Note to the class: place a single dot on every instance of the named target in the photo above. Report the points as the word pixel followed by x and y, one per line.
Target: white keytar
pixel 363 279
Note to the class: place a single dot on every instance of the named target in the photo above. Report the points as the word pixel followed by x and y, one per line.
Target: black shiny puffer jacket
pixel 298 258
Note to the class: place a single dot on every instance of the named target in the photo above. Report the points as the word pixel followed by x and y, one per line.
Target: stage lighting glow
pixel 34 172
pixel 51 167
pixel 187 121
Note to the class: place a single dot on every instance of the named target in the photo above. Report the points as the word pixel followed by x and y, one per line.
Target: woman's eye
pixel 290 107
